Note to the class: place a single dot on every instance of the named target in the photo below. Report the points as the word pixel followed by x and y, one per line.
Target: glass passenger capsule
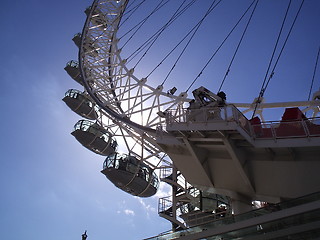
pixel 77 39
pixel 94 137
pixel 72 68
pixel 89 45
pixel 130 175
pixel 80 104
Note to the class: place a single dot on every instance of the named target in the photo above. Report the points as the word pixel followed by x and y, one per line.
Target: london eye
pixel 149 112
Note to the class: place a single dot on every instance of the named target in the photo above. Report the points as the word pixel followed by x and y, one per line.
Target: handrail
pixel 308 127
pixel 241 217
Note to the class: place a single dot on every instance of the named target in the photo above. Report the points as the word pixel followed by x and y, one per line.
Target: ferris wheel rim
pixel 87 87
pixel 123 119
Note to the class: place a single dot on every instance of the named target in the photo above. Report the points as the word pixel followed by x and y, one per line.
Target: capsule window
pixel 110 161
pixel 131 168
pixel 73 63
pixel 116 164
pixel 145 173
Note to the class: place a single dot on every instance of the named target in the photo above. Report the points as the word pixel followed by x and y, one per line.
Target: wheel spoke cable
pixel 266 82
pixel 143 21
pixel 217 50
pixel 314 74
pixel 284 44
pixel 238 46
pixel 182 40
pixel 187 44
pixel 160 32
pixel 131 11
pixel 153 38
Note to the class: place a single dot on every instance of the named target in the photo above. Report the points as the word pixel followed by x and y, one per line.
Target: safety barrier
pixel 305 127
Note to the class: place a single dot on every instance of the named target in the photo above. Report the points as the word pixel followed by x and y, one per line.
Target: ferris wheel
pixel 127 112
pixel 216 155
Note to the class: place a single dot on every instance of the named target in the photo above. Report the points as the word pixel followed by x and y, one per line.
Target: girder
pixel 225 156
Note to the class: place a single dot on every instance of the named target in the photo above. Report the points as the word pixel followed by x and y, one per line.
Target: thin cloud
pixel 164 191
pixel 146 206
pixel 129 212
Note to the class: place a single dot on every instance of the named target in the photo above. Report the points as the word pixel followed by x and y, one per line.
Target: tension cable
pixel 174 16
pixel 131 11
pixel 142 22
pixel 189 41
pixel 213 55
pixel 155 36
pixel 236 51
pixel 199 23
pixel 266 82
pixel 314 74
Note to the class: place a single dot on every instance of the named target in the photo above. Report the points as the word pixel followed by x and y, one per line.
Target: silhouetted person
pixel 223 96
pixel 84 236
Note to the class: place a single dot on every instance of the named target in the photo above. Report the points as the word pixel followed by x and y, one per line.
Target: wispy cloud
pixel 149 204
pixel 148 208
pixel 129 212
pixel 164 191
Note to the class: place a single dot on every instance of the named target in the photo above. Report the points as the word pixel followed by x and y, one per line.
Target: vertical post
pixel 174 196
pixel 273 131
pixel 241 204
pixel 200 199
pixel 305 128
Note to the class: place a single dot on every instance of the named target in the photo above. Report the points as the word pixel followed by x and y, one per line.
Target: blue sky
pixel 247 73
pixel 51 187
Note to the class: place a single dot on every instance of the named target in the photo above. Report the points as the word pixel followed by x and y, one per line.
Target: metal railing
pixel 228 113
pixel 165 206
pixel 266 130
pixel 205 114
pixel 287 129
pixel 197 217
pixel 252 214
pixel 166 173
